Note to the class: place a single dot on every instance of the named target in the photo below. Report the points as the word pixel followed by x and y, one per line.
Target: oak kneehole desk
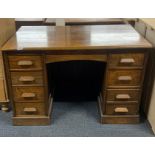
pixel 28 52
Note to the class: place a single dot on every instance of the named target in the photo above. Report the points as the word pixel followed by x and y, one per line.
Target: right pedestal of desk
pixel 120 99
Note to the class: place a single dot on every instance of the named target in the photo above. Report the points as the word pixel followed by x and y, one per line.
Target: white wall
pixel 151 113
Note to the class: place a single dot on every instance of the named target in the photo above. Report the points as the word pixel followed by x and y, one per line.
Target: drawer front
pixel 27 78
pixel 122 109
pixel 28 94
pixel 123 95
pixel 124 77
pixel 29 109
pixel 126 60
pixel 25 62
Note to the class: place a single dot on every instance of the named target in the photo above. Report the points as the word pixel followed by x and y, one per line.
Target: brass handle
pixel 30 110
pixel 25 63
pixel 123 96
pixel 26 79
pixel 28 95
pixel 121 109
pixel 127 61
pixel 124 78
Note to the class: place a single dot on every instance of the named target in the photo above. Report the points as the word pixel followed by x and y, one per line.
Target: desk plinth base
pixel 31 121
pixel 117 119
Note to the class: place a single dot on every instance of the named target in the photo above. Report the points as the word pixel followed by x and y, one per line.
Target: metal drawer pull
pixel 123 96
pixel 124 78
pixel 25 63
pixel 120 109
pixel 30 110
pixel 28 95
pixel 26 79
pixel 127 61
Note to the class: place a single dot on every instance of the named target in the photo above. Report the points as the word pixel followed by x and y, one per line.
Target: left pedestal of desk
pixel 27 83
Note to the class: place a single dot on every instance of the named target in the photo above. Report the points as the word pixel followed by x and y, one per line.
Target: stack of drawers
pixel 27 85
pixel 123 85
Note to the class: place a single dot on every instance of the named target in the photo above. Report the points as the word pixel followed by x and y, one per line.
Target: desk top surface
pixel 76 37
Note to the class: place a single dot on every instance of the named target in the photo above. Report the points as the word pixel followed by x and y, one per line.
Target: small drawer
pixel 126 60
pixel 29 108
pixel 124 78
pixel 123 95
pixel 27 78
pixel 25 62
pixel 122 109
pixel 28 94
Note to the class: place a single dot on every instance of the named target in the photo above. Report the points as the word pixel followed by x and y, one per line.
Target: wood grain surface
pixel 76 37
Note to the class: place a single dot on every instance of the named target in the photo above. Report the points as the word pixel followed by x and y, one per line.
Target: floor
pixel 71 119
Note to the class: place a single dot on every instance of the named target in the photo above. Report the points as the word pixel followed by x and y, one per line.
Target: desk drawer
pixel 126 60
pixel 123 95
pixel 124 78
pixel 28 94
pixel 122 109
pixel 29 109
pixel 25 62
pixel 27 78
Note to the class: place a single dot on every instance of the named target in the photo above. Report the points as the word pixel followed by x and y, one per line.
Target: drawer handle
pixel 28 95
pixel 124 78
pixel 25 63
pixel 123 96
pixel 121 110
pixel 127 61
pixel 26 79
pixel 30 110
